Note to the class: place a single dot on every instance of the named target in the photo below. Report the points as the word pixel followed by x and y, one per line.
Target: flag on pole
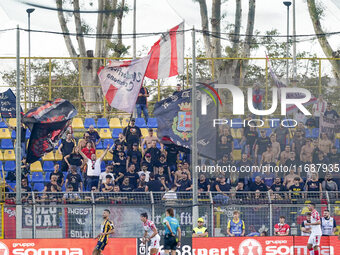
pixel 47 123
pixel 167 54
pixel 121 82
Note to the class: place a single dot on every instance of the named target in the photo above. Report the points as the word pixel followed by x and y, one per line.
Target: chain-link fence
pixel 79 215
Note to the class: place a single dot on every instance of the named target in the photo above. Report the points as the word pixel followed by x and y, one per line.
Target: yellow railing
pixel 78 99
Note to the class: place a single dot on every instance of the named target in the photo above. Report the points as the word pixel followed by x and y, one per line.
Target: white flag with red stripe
pixel 121 82
pixel 167 55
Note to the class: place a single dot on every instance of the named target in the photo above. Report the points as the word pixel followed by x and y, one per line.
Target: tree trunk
pixel 247 44
pixel 326 47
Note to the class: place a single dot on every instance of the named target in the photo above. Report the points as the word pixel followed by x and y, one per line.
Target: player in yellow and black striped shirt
pixel 107 228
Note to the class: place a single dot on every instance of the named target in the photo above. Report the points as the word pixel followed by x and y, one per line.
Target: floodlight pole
pixel 134 30
pixel 294 44
pixel 29 11
pixel 194 134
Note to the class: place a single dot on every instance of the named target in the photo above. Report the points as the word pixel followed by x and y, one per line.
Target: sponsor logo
pixel 48 251
pixel 3 249
pixel 250 247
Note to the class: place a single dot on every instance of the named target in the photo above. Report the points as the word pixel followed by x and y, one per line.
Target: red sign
pixel 65 246
pixel 261 246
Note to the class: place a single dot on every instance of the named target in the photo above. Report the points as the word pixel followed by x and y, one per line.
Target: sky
pixel 156 16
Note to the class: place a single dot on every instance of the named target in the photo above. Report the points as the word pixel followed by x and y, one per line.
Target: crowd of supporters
pixel 145 164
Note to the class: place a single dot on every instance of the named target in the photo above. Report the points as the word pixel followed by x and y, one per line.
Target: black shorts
pixel 170 242
pixel 100 245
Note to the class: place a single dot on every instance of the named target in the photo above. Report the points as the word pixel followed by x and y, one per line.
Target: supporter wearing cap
pixel 134 151
pixel 200 230
pixel 154 152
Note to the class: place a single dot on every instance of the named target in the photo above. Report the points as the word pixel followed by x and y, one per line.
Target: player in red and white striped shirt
pixel 315 236
pixel 150 234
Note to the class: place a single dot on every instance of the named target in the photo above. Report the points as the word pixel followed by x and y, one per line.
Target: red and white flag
pixel 167 55
pixel 121 82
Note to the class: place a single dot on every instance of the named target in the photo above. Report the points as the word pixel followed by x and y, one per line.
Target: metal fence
pixel 79 215
pixel 47 81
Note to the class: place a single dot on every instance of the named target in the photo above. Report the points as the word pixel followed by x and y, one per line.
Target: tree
pixel 315 13
pixel 64 81
pixel 227 71
pixel 109 11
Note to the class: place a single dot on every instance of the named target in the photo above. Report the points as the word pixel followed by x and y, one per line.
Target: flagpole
pixel 194 133
pixel 18 143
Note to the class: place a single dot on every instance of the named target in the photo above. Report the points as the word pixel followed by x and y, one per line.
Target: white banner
pixel 121 82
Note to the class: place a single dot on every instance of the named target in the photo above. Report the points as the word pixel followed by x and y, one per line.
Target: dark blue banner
pixel 8 104
pixel 174 121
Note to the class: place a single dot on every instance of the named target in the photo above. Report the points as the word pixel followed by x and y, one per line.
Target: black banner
pixel 174 121
pixel 8 104
pixel 78 222
pixel 47 124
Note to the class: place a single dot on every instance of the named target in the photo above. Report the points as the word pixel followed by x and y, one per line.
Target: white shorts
pixel 314 239
pixel 155 242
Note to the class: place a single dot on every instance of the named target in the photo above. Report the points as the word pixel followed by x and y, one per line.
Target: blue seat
pixel 37 177
pixel 268 131
pixel 102 123
pixel 102 166
pixel 158 146
pixel 28 133
pixel 107 142
pixel 236 145
pixel 38 186
pixel 315 132
pixel 337 143
pixel 152 123
pixel 12 184
pixel 6 144
pixel 47 176
pixel 99 146
pixel 140 122
pixel 116 131
pixel 237 123
pixel 308 133
pixel 3 124
pixel 88 122
pixel 9 166
pixel 48 166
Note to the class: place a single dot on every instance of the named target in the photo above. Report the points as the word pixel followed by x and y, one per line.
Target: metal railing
pixel 79 215
pixel 55 83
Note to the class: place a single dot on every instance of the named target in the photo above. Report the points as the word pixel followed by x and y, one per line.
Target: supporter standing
pixel 281 228
pixel 236 226
pixel 200 230
pixel 94 136
pixel 132 133
pixel 328 224
pixel 65 149
pixel 142 104
pixel 93 168
pixel 306 230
